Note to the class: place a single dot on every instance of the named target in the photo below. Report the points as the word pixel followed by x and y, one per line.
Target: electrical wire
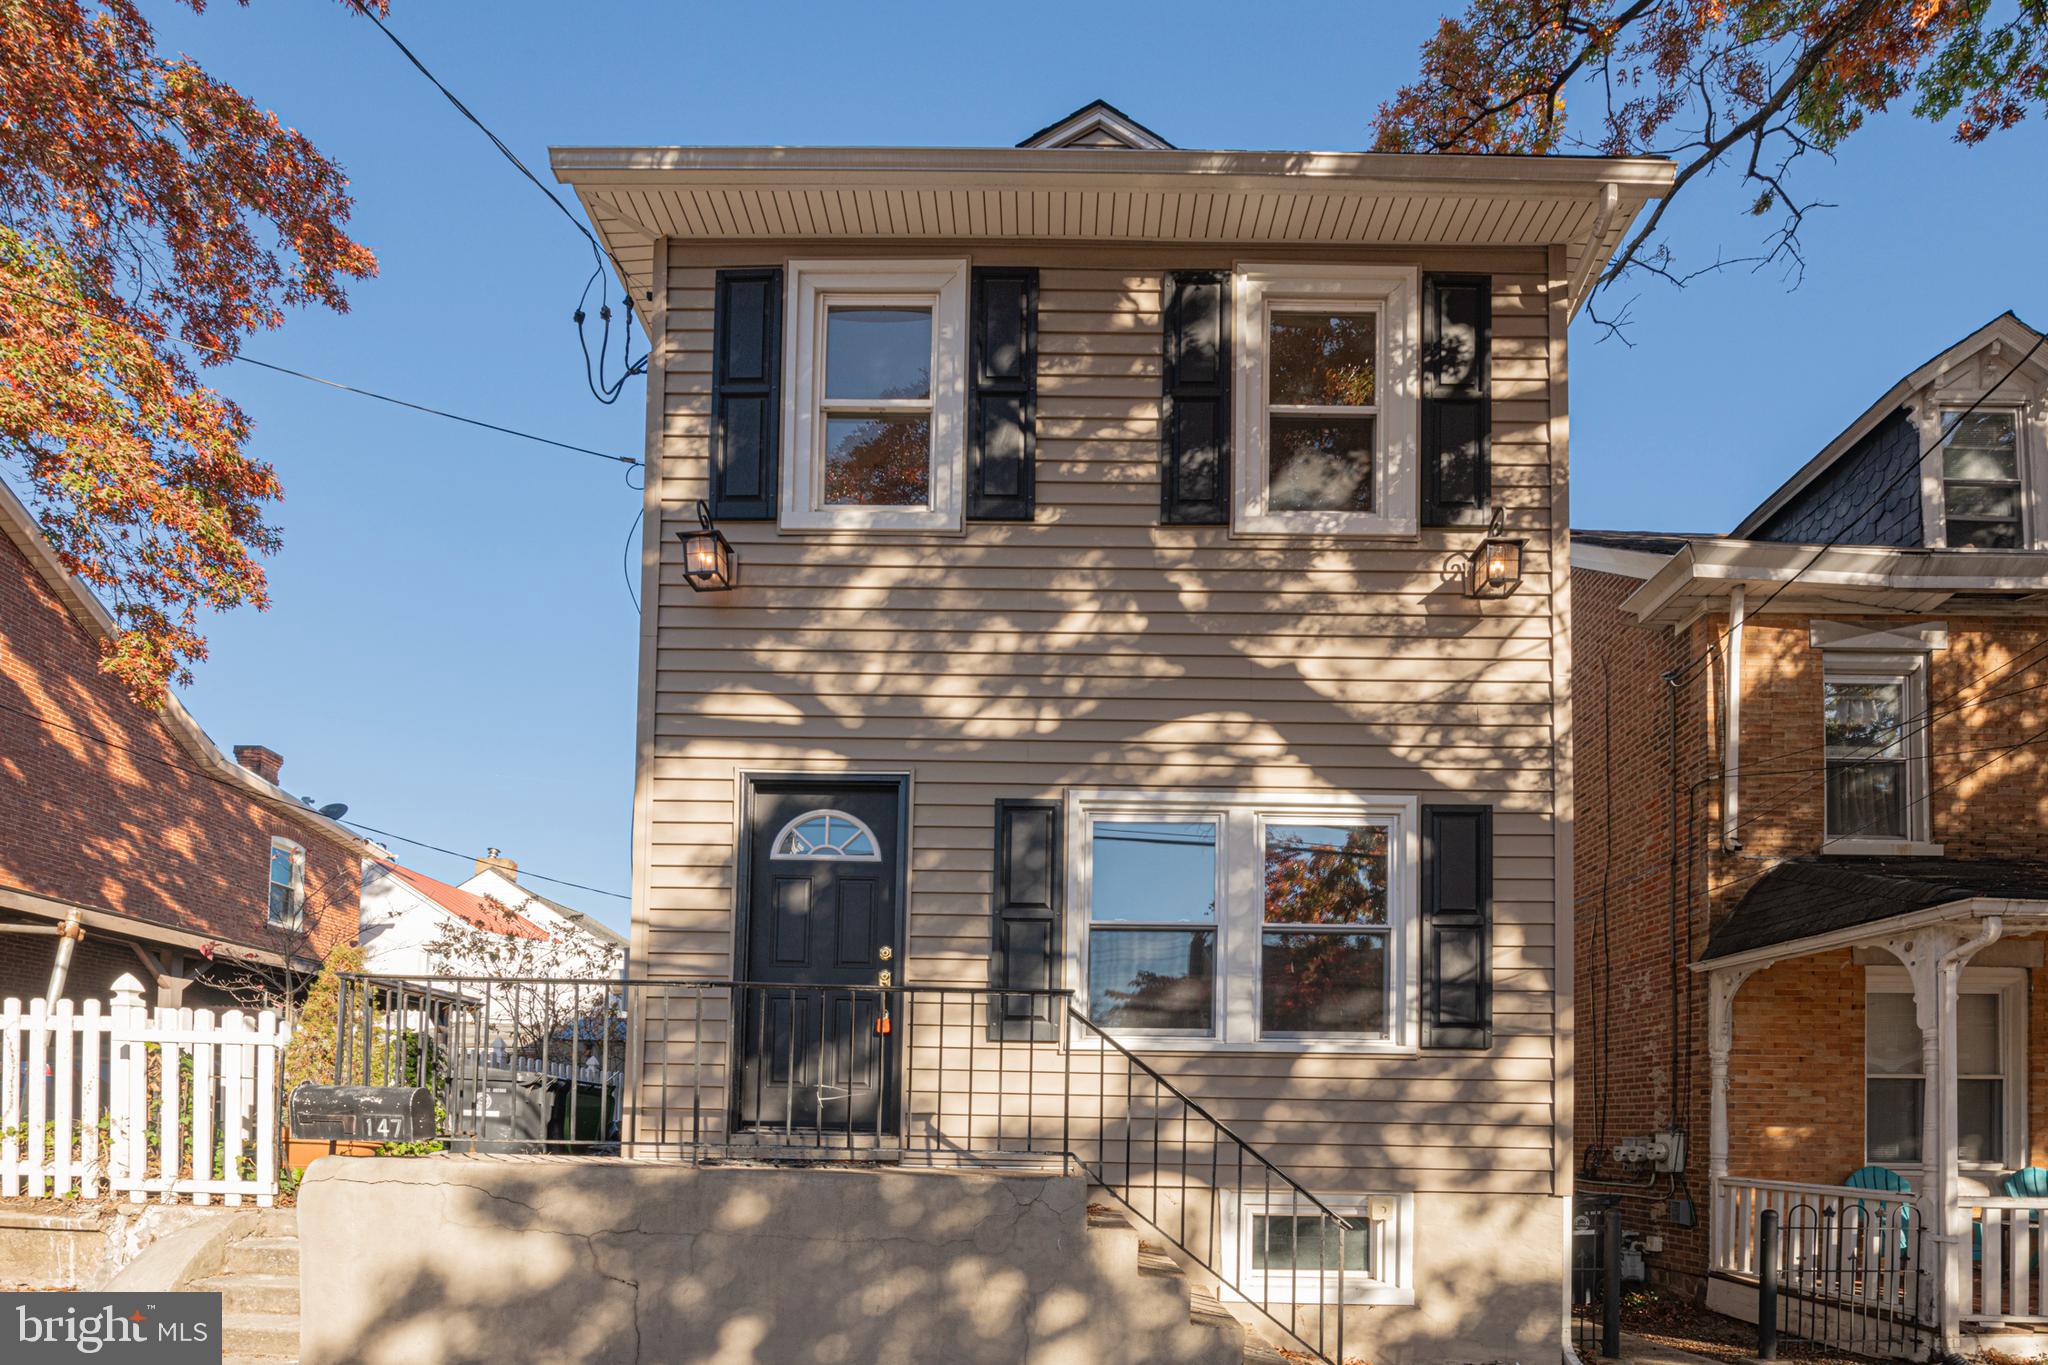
pixel 230 354
pixel 1912 469
pixel 47 723
pixel 604 391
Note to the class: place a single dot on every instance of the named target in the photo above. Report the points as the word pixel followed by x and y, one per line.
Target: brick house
pixel 1812 870
pixel 131 828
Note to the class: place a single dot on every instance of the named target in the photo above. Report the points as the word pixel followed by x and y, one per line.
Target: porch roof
pixel 1808 898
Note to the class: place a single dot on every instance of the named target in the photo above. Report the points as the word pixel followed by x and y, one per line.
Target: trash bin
pixel 583 1101
pixel 507 1111
pixel 1587 1212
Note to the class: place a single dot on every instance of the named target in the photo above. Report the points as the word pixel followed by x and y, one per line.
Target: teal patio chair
pixel 2029 1182
pixel 1885 1181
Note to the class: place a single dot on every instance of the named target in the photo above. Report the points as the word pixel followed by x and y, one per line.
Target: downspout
pixel 1731 742
pixel 67 943
pixel 1610 203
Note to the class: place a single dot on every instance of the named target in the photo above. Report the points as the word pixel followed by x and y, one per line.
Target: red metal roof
pixel 476 909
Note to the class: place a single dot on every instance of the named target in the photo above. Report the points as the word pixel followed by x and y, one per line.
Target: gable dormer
pixel 1922 468
pixel 1098 124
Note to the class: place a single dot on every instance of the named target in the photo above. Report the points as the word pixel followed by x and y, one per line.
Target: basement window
pixel 1286 1249
pixel 287 884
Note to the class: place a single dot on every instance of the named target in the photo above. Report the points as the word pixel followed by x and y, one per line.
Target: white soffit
pixel 1826 578
pixel 636 196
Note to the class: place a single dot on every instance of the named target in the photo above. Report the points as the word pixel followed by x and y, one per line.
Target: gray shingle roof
pixel 1809 896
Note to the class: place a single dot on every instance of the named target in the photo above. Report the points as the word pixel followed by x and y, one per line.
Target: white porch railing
pixel 1809 1211
pixel 76 1090
pixel 2010 1284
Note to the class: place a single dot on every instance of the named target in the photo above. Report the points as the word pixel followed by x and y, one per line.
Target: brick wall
pixel 1796 1073
pixel 120 817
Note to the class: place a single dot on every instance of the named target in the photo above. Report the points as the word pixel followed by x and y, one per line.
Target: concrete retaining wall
pixel 455 1259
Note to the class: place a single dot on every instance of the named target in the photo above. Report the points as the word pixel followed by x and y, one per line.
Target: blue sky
pixel 452 646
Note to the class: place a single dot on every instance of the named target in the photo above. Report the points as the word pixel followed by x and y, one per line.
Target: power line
pixel 47 723
pixel 604 391
pixel 1882 492
pixel 524 872
pixel 230 354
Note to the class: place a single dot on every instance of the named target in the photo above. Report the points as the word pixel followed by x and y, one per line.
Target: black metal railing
pixel 1851 1278
pixel 1596 1280
pixel 913 1074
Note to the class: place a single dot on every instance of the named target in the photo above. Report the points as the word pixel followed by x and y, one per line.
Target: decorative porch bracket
pixel 1934 957
pixel 1722 984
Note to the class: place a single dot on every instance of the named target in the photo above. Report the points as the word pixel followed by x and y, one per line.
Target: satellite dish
pixel 334 810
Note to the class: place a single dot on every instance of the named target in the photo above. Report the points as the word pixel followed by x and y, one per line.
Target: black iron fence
pixel 1596 1280
pixel 914 1075
pixel 1853 1278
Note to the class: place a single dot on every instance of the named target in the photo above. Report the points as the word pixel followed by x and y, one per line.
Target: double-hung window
pixel 1242 920
pixel 1326 397
pixel 1980 480
pixel 876 406
pixel 1875 732
pixel 287 883
pixel 1990 1027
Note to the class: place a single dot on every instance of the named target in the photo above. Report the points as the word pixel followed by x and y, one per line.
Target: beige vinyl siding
pixel 1097 648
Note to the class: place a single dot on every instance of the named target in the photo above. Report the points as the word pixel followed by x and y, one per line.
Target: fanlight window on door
pixel 827 835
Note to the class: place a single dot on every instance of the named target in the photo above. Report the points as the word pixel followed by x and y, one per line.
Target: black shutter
pixel 1024 945
pixel 1457 416
pixel 746 394
pixel 1194 473
pixel 1457 926
pixel 1002 406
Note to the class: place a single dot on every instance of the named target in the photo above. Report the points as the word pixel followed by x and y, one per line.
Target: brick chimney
pixel 265 763
pixel 494 861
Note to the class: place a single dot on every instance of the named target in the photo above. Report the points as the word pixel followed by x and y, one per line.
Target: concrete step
pixel 1156 1297
pixel 255 1293
pixel 260 1334
pixel 263 1256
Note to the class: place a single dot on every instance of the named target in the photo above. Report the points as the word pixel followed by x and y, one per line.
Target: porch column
pixel 1934 958
pixel 1722 984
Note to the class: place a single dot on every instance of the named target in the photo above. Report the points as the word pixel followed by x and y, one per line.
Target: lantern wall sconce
pixel 709 564
pixel 1495 568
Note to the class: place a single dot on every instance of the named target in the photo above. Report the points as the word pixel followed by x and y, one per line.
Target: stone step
pixel 243 1293
pixel 1185 1334
pixel 260 1334
pixel 262 1256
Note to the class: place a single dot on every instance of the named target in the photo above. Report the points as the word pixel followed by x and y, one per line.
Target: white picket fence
pixel 74 1101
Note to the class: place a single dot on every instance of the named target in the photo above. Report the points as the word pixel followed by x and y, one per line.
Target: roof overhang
pixel 18 524
pixel 636 196
pixel 1810 578
pixel 2005 328
pixel 2026 916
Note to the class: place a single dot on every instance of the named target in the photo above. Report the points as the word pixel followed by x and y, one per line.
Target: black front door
pixel 822 914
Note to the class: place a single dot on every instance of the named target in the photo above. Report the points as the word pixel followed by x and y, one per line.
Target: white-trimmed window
pixel 287 882
pixel 1283 1249
pixel 1245 920
pixel 1873 718
pixel 1326 398
pixel 1990 1069
pixel 875 405
pixel 1983 501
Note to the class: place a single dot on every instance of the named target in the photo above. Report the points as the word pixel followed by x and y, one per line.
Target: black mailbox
pixel 363 1113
